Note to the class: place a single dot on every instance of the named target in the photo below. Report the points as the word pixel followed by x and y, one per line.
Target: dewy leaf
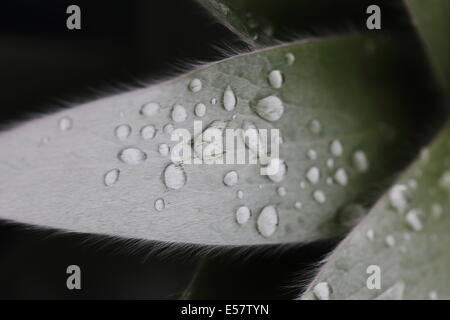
pixel 106 166
pixel 403 242
pixel 432 21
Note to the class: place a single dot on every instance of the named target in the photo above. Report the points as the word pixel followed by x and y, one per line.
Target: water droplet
pixel 313 175
pixel 65 124
pixel 148 132
pixel 229 99
pixel 163 149
pixel 360 161
pixel 281 191
pixel 45 140
pixel 329 181
pixel 179 113
pixel 413 220
pixel 200 110
pixel 243 214
pixel 319 196
pixel 444 181
pixel 174 176
pixel 213 101
pixel 436 210
pixel 290 58
pixel 132 155
pixel 397 198
pixel 168 129
pixel 111 177
pixel 412 183
pixel 433 295
pixel 240 194
pixel 315 126
pixel 195 85
pixel 150 109
pixel 278 166
pixel 276 79
pixel 312 154
pixel 390 240
pixel 330 163
pixel 395 292
pixel 160 204
pixel 267 221
pixel 341 176
pixel 270 108
pixel 370 234
pixel 230 178
pixel 298 205
pixel 209 145
pixel 252 139
pixel 302 184
pixel 322 291
pixel 336 148
pixel 122 131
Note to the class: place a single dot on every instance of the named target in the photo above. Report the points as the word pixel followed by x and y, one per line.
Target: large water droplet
pixel 132 155
pixel 148 132
pixel 160 204
pixel 195 85
pixel 270 108
pixel 65 124
pixel 243 214
pixel 230 178
pixel 174 176
pixel 341 176
pixel 267 221
pixel 276 79
pixel 111 177
pixel 179 113
pixel 313 175
pixel 150 109
pixel 336 148
pixel 122 131
pixel 229 99
pixel 322 291
pixel 319 196
pixel 360 161
pixel 200 110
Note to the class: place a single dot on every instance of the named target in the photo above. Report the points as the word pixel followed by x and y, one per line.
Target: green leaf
pixel 405 235
pixel 69 171
pixel 432 21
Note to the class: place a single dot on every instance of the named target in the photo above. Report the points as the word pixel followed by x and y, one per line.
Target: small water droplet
pixel 132 156
pixel 270 108
pixel 122 131
pixel 436 210
pixel 302 184
pixel 111 177
pixel 322 291
pixel 336 148
pixel 163 149
pixel 267 221
pixel 330 163
pixel 276 79
pixel 298 205
pixel 370 234
pixel 243 214
pixel 213 101
pixel 65 124
pixel 341 176
pixel 278 166
pixel 413 220
pixel 150 109
pixel 148 132
pixel 179 113
pixel 45 140
pixel 230 178
pixel 160 204
pixel 319 196
pixel 229 99
pixel 281 191
pixel 240 194
pixel 290 58
pixel 313 175
pixel 195 85
pixel 444 181
pixel 397 198
pixel 390 240
pixel 174 176
pixel 329 181
pixel 312 154
pixel 200 110
pixel 168 129
pixel 315 126
pixel 360 161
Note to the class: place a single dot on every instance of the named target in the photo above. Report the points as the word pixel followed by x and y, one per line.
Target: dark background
pixel 43 65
